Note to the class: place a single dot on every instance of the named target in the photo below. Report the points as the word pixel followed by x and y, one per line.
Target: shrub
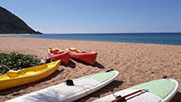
pixel 16 61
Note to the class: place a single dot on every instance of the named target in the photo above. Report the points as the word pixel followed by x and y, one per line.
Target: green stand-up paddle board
pixel 161 90
pixel 71 90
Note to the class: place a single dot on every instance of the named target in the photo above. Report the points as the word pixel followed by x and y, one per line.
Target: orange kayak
pixel 57 54
pixel 83 56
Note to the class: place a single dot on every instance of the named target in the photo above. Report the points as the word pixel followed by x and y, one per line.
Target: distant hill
pixel 11 24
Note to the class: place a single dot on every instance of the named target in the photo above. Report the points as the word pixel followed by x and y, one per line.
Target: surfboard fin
pixel 165 77
pixel 70 82
pixel 109 70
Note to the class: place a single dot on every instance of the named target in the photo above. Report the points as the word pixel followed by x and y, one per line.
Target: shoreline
pixel 15 34
pixel 6 35
pixel 137 63
pixel 90 40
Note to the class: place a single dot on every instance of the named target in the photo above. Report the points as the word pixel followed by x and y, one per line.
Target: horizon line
pixel 111 32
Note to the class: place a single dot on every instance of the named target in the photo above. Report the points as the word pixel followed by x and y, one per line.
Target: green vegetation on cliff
pixel 11 24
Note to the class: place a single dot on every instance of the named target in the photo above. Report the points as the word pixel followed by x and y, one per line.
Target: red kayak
pixel 88 58
pixel 57 54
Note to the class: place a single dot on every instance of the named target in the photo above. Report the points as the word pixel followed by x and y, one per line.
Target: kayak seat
pixel 12 73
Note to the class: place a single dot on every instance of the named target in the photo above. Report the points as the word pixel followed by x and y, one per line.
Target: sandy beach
pixel 137 63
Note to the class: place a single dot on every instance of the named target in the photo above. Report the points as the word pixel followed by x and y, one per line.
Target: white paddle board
pixel 161 90
pixel 67 93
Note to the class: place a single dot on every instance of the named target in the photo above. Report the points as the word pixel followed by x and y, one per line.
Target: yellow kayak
pixel 28 75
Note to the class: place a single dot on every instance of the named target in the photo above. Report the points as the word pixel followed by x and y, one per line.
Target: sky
pixel 98 16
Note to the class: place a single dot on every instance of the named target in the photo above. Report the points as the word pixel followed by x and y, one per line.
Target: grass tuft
pixel 16 61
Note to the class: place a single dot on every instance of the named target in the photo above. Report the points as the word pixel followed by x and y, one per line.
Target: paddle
pixel 122 98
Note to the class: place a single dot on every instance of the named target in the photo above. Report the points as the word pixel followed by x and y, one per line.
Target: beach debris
pixel 45 60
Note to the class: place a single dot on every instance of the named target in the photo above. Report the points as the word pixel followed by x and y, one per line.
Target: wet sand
pixel 137 63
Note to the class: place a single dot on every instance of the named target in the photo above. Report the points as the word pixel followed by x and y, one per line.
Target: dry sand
pixel 137 63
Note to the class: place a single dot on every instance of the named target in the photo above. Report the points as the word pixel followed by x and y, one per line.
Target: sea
pixel 150 38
